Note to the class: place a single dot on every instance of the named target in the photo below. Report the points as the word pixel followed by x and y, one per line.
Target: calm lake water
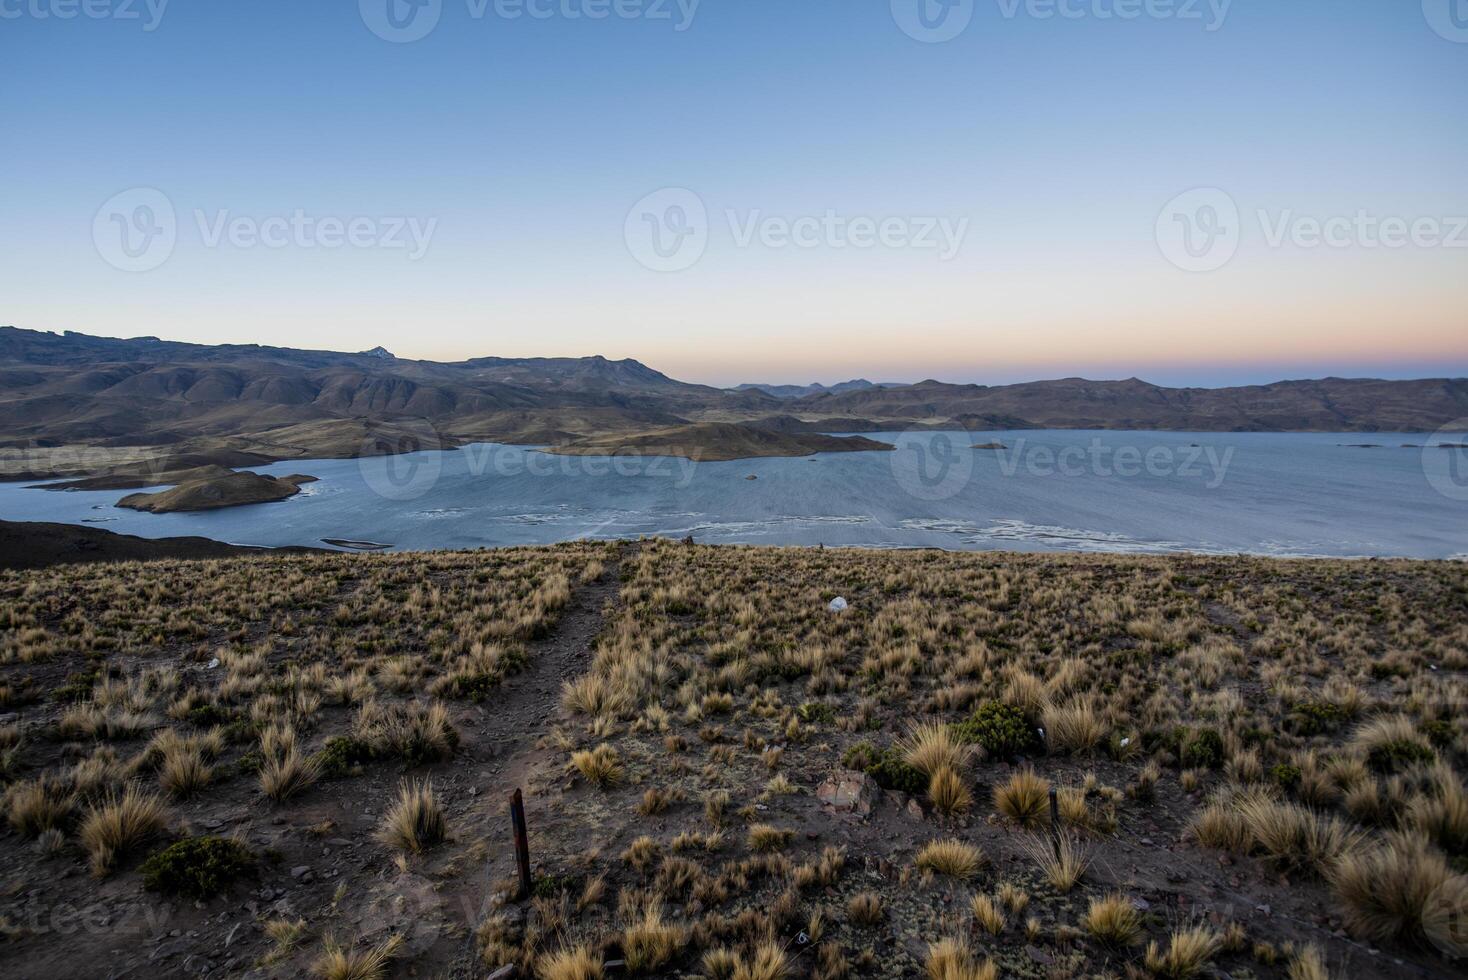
pixel 1151 492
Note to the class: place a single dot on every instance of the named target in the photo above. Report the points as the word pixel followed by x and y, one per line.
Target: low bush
pixel 1001 730
pixel 197 867
pixel 887 768
pixel 1202 748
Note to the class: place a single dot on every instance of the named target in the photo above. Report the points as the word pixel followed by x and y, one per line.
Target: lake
pixel 1144 492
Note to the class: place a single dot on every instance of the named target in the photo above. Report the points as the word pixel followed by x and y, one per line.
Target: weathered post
pixel 522 842
pixel 1055 822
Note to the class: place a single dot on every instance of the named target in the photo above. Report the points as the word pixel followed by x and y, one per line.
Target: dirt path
pixel 506 752
pixel 525 706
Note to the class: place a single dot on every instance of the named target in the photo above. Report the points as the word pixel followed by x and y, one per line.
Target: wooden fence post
pixel 1055 822
pixel 522 842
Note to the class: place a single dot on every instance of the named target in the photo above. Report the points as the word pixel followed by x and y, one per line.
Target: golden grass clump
pixel 286 934
pixel 931 746
pixel 415 821
pixel 1220 826
pixel 338 962
pixel 948 793
pixel 1113 920
pixel 1062 860
pixel 601 766
pixel 1188 952
pixel 415 731
pixel 118 824
pixel 1294 837
pixel 1308 963
pixel 864 908
pixel 1442 813
pixel 1073 727
pixel 575 963
pixel 36 806
pixel 183 771
pixel 951 959
pixel 769 962
pixel 953 858
pixel 288 774
pixel 764 837
pixel 649 942
pixel 1387 890
pixel 1024 798
pixel 987 914
pixel 1012 897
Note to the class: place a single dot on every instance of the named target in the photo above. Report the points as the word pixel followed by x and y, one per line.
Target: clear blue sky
pixel 1058 141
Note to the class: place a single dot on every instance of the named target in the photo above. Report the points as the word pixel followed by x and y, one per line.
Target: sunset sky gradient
pixel 529 140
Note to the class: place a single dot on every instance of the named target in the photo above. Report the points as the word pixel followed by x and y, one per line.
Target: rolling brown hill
pixel 203 402
pixel 163 405
pixel 1329 405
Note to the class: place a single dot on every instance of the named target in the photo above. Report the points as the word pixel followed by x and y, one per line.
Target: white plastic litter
pixel 214 663
pixel 837 604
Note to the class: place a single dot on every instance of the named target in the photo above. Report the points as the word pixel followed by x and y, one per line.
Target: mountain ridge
pixel 177 400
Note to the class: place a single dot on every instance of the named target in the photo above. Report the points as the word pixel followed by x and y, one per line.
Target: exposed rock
pixel 848 792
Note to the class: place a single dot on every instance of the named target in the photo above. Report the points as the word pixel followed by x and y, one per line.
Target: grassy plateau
pixel 289 764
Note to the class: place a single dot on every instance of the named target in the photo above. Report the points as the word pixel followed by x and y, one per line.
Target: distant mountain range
pixel 815 388
pixel 244 404
pixel 1328 405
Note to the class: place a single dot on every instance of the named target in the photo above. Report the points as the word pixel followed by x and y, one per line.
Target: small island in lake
pixel 717 441
pixel 216 491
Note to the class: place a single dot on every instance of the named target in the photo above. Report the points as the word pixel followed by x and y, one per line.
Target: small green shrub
pixel 1000 728
pixel 342 755
pixel 197 867
pixel 1438 732
pixel 886 767
pixel 1399 754
pixel 78 687
pixel 1284 775
pixel 817 713
pixel 1309 718
pixel 1202 749
pixel 206 715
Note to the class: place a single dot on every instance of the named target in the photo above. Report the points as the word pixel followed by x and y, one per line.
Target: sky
pixel 1188 191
